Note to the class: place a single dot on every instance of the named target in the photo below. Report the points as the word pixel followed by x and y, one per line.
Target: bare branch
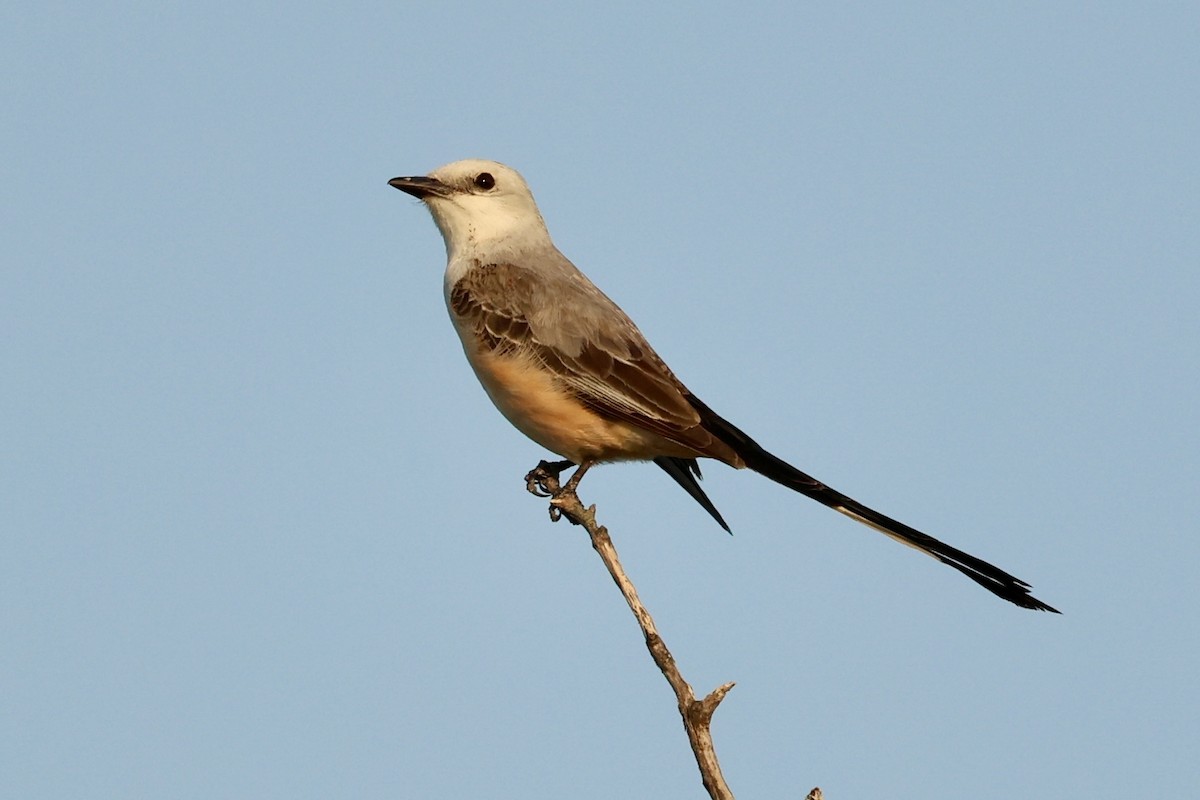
pixel 696 714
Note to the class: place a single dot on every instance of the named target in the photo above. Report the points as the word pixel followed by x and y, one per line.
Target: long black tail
pixel 992 578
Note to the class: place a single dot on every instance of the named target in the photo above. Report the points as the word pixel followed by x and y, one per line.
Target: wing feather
pixel 587 342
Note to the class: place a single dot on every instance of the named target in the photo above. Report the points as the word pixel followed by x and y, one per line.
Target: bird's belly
pixel 537 404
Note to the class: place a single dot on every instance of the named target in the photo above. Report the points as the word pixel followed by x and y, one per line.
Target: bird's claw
pixel 557 512
pixel 542 480
pixel 535 482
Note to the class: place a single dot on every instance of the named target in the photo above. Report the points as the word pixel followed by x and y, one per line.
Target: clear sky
pixel 262 534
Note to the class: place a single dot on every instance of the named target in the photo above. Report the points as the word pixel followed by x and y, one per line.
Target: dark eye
pixel 484 180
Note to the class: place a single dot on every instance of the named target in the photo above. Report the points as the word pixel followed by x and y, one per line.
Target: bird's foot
pixel 542 480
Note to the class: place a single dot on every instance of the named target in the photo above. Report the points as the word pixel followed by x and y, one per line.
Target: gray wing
pixel 586 340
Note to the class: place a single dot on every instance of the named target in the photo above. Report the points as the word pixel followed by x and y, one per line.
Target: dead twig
pixel 696 714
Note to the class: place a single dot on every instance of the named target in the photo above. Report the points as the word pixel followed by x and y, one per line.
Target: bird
pixel 569 369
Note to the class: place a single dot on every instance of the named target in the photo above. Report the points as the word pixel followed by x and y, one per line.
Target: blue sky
pixel 264 536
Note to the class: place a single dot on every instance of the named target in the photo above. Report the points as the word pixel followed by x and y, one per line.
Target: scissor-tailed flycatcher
pixel 571 371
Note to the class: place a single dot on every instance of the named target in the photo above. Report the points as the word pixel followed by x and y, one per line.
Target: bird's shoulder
pixel 493 286
pixel 554 305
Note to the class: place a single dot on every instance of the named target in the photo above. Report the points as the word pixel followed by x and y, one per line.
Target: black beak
pixel 420 186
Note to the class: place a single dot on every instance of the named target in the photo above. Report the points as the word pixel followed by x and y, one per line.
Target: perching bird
pixel 571 371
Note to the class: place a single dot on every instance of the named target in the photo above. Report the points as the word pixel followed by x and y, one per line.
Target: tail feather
pixel 686 471
pixel 990 577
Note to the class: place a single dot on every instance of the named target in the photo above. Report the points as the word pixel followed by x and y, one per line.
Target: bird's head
pixel 476 202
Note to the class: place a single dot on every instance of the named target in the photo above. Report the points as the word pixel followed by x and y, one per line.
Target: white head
pixel 478 203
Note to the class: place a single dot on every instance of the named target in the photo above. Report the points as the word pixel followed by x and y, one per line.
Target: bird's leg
pixel 556 467
pixel 577 476
pixel 536 480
